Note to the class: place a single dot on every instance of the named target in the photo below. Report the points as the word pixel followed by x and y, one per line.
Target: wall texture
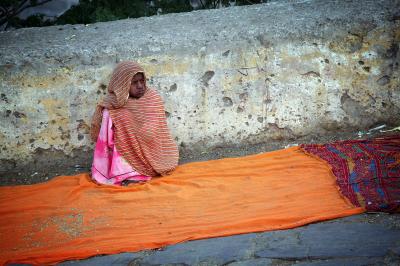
pixel 236 75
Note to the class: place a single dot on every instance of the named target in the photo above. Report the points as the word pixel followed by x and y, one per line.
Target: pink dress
pixel 109 167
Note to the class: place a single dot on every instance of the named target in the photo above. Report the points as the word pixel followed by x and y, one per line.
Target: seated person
pixel 129 126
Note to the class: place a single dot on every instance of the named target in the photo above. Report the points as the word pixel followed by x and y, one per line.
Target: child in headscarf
pixel 129 126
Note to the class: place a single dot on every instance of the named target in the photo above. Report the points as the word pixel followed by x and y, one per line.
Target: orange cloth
pixel 71 217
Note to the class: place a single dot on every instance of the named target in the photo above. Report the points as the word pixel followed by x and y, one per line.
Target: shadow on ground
pixel 32 175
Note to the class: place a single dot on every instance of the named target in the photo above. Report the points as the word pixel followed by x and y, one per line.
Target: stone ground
pixel 69 166
pixel 365 239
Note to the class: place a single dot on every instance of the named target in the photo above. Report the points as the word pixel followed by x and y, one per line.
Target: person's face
pixel 137 88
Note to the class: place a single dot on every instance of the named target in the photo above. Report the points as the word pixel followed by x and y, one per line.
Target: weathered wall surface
pixel 235 75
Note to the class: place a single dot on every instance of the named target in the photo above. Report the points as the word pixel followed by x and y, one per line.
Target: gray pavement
pixel 366 239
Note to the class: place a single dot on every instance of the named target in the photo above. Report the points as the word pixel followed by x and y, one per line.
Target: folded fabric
pixel 367 171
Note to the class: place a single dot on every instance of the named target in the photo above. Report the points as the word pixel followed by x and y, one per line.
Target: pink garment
pixel 109 167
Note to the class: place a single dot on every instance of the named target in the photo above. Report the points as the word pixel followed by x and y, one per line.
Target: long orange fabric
pixel 70 217
pixel 141 135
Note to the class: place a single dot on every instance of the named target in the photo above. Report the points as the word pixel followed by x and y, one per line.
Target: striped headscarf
pixel 141 132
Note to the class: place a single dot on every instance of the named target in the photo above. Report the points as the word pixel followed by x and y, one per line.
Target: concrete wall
pixel 236 75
